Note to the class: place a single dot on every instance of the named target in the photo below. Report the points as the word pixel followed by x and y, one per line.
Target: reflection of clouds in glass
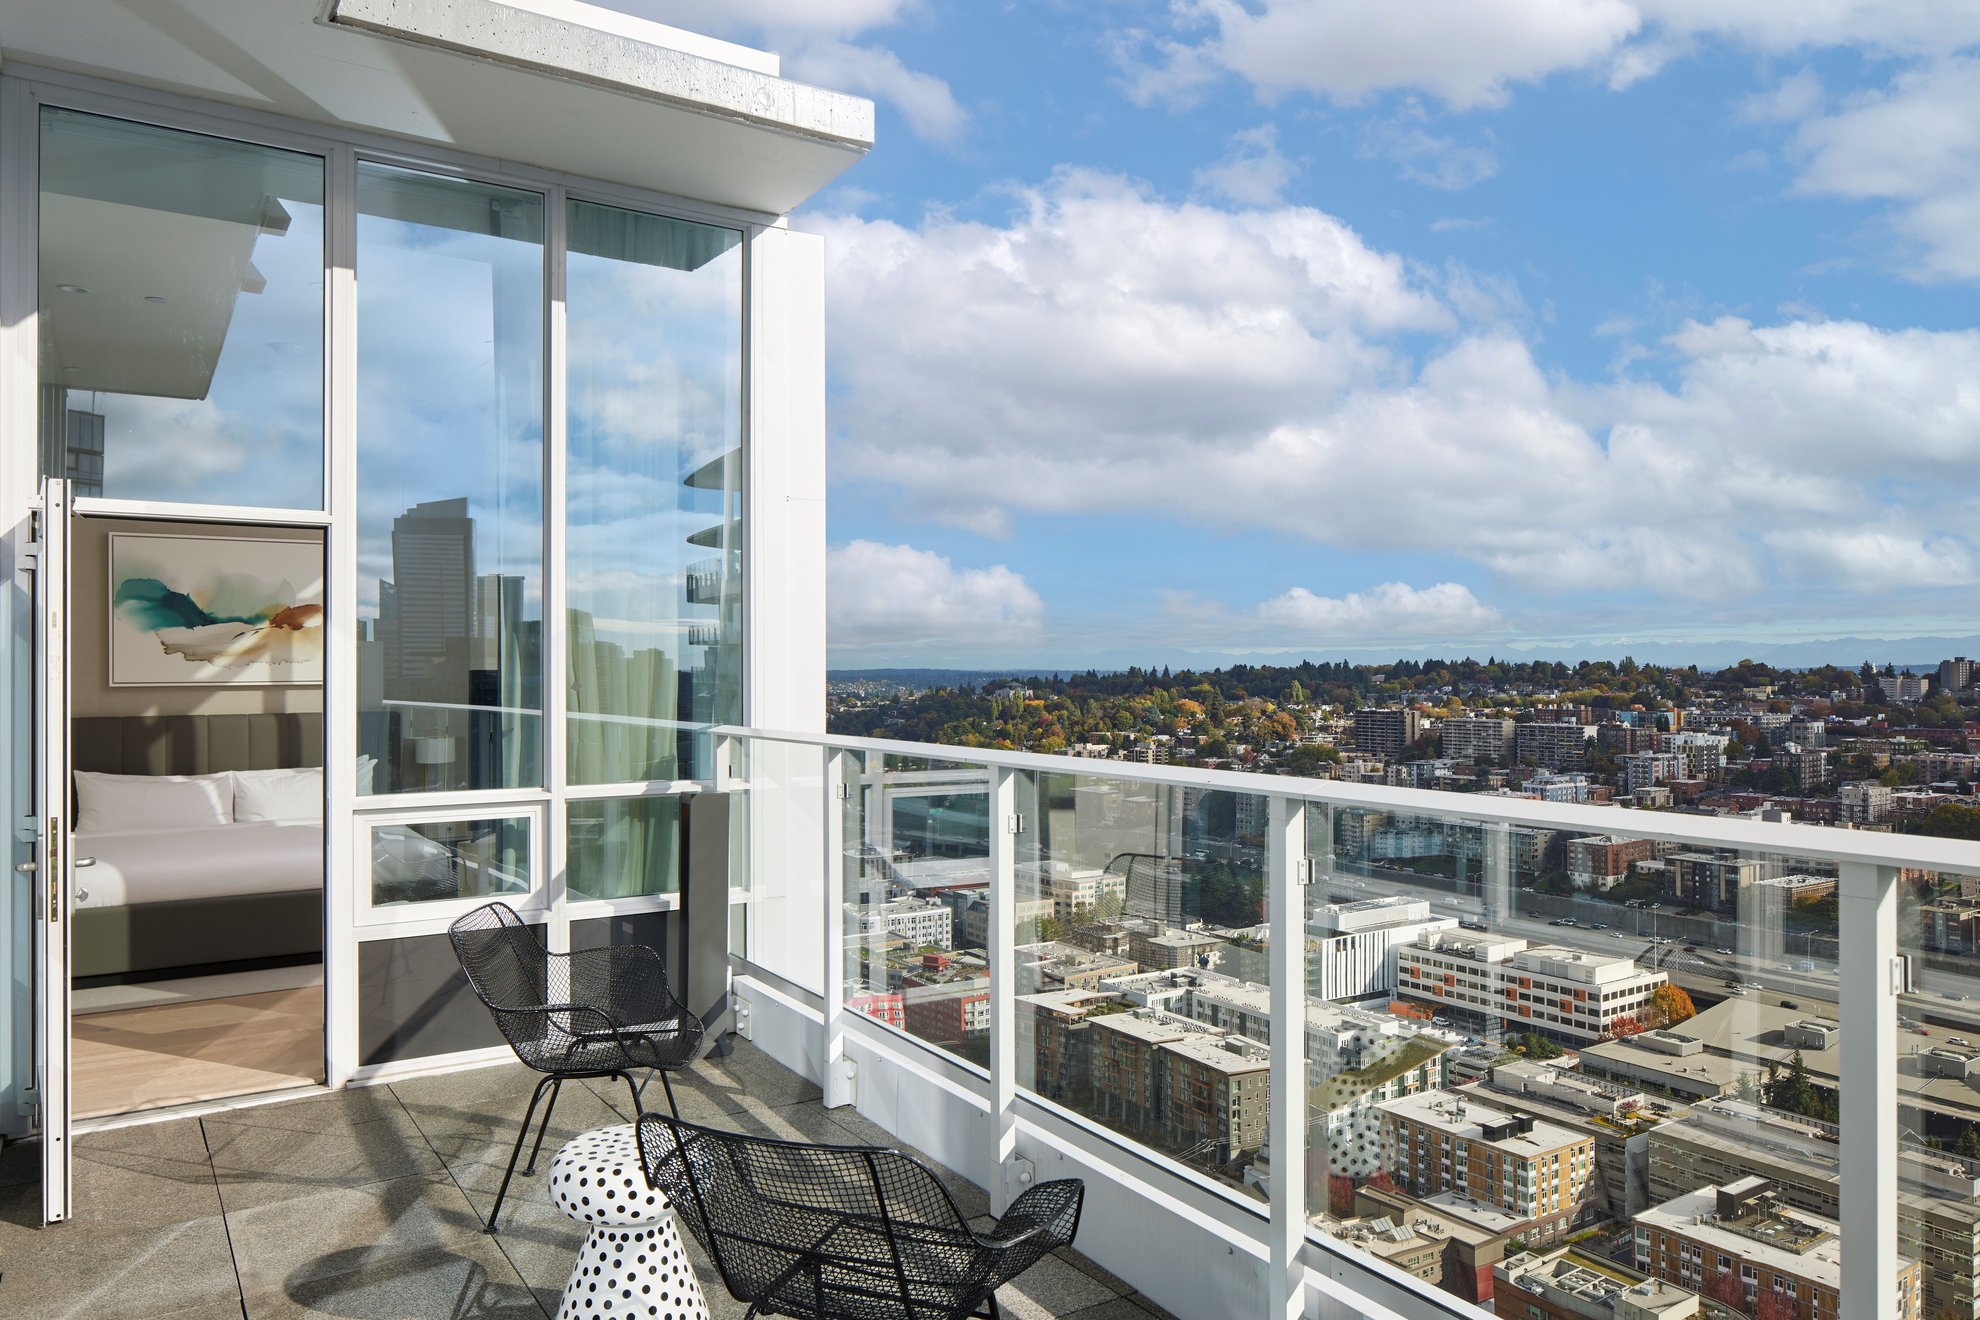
pixel 256 437
pixel 450 399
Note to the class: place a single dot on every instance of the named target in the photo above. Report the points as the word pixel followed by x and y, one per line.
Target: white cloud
pixel 1794 98
pixel 924 100
pixel 1465 52
pixel 1245 371
pixel 1875 559
pixel 1473 53
pixel 1426 158
pixel 1915 145
pixel 897 596
pixel 1386 612
pixel 1253 172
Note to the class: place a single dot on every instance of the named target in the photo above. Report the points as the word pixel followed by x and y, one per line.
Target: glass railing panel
pixel 1937 1071
pixel 783 857
pixel 1142 978
pixel 916 900
pixel 1577 1051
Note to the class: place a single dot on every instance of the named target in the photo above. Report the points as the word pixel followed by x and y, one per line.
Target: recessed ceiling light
pixel 153 298
pixel 72 288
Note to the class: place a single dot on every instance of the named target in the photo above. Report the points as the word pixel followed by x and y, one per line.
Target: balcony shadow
pixel 344 1283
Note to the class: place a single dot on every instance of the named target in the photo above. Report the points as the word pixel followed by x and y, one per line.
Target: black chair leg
pixel 668 1087
pixel 633 1087
pixel 522 1135
pixel 556 1089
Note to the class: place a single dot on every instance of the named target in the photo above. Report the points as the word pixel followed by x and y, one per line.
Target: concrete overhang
pixel 553 83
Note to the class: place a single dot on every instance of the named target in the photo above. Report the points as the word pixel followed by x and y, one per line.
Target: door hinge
pixel 843 791
pixel 1014 824
pixel 1303 871
pixel 1901 974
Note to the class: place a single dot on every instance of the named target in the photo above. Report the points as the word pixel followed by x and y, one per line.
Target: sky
pixel 1178 331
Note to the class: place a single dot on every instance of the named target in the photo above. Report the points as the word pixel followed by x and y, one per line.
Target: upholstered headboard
pixel 195 744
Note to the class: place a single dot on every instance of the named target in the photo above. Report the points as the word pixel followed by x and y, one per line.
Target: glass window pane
pixel 435 860
pixel 181 291
pixel 654 327
pixel 625 847
pixel 450 482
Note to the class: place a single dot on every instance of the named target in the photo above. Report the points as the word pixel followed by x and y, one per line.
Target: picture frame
pixel 214 611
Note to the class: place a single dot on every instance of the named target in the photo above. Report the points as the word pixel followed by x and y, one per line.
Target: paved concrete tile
pixel 1052 1287
pixel 426 1284
pixel 260 1165
pixel 282 1245
pixel 20 1163
pixel 1121 1308
pixel 488 1134
pixel 149 1176
pixel 87 1272
pixel 322 1113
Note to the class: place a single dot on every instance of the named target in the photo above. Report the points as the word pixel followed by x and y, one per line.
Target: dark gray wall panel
pixel 413 1002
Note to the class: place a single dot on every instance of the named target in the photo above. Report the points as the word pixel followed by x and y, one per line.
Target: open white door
pixel 54 865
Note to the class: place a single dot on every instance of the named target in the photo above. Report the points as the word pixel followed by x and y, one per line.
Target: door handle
pixel 25 868
pixel 81 862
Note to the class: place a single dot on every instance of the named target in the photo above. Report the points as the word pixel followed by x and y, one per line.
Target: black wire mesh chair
pixel 592 1013
pixel 845 1232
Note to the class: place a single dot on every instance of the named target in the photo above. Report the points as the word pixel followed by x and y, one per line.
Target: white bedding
pixel 208 861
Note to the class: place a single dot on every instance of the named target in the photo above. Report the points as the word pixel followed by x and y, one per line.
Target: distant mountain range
pixel 1911 653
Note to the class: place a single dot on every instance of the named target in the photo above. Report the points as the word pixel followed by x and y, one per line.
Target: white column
pixel 835 1074
pixel 1286 1127
pixel 1004 827
pixel 1868 909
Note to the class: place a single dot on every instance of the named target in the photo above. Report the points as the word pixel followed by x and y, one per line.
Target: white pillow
pixel 136 802
pixel 367 767
pixel 293 795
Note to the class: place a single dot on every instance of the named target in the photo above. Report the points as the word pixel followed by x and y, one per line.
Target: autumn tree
pixel 1626 1025
pixel 1340 1196
pixel 1771 1305
pixel 1670 1005
pixel 1727 1291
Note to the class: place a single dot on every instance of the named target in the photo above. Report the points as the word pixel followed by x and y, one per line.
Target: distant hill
pixel 922 679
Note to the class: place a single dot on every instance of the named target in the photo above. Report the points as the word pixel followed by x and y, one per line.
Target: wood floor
pixel 171 1054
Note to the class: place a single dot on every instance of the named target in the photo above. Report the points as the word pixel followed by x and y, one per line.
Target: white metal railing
pixel 812 780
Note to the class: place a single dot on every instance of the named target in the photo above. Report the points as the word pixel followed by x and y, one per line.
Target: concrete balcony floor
pixel 367 1204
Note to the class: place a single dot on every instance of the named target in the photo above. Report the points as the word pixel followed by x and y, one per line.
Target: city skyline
pixel 1243 329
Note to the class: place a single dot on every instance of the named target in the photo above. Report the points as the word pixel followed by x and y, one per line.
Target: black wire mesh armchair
pixel 591 1013
pixel 845 1232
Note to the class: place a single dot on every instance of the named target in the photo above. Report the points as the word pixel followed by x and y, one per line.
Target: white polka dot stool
pixel 632 1266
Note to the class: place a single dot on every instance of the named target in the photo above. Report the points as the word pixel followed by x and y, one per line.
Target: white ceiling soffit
pixel 525 82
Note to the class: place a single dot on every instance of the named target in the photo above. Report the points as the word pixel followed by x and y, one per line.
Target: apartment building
pixel 1538 1172
pixel 1722 1141
pixel 1386 732
pixel 1569 1284
pixel 924 923
pixel 1570 994
pixel 1743 1228
pixel 1351 947
pixel 1703 755
pixel 1641 770
pixel 1865 802
pixel 1602 861
pixel 1214 1095
pixel 1554 746
pixel 1477 738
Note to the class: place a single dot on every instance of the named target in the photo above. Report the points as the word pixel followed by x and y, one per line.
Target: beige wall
pixel 89 634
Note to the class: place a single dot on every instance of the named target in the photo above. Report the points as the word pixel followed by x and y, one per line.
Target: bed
pixel 174 897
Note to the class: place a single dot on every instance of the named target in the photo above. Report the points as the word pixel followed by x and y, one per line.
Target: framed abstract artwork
pixel 210 610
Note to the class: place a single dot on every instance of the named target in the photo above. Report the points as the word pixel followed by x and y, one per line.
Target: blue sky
pixel 1180 331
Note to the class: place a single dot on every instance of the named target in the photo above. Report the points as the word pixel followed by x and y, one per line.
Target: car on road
pixel 1790 1003
pixel 1919 1031
pixel 1662 939
pixel 1691 948
pixel 1618 935
pixel 1737 990
pixel 1600 925
pixel 1563 921
pixel 1958 1040
pixel 1470 925
pixel 1725 952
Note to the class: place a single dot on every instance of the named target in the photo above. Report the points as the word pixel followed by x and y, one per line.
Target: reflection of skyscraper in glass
pixel 433 597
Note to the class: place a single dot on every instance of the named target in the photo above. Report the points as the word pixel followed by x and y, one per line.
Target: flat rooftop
pixel 1463 1117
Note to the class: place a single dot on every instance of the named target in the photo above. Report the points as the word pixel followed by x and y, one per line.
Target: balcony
pixel 367 1203
pixel 1230 892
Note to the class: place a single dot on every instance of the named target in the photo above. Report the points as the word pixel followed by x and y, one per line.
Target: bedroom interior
pixel 197 958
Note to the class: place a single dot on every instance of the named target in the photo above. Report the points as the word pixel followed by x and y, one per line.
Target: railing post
pixel 1286 1124
pixel 1867 914
pixel 1002 950
pixel 835 1076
